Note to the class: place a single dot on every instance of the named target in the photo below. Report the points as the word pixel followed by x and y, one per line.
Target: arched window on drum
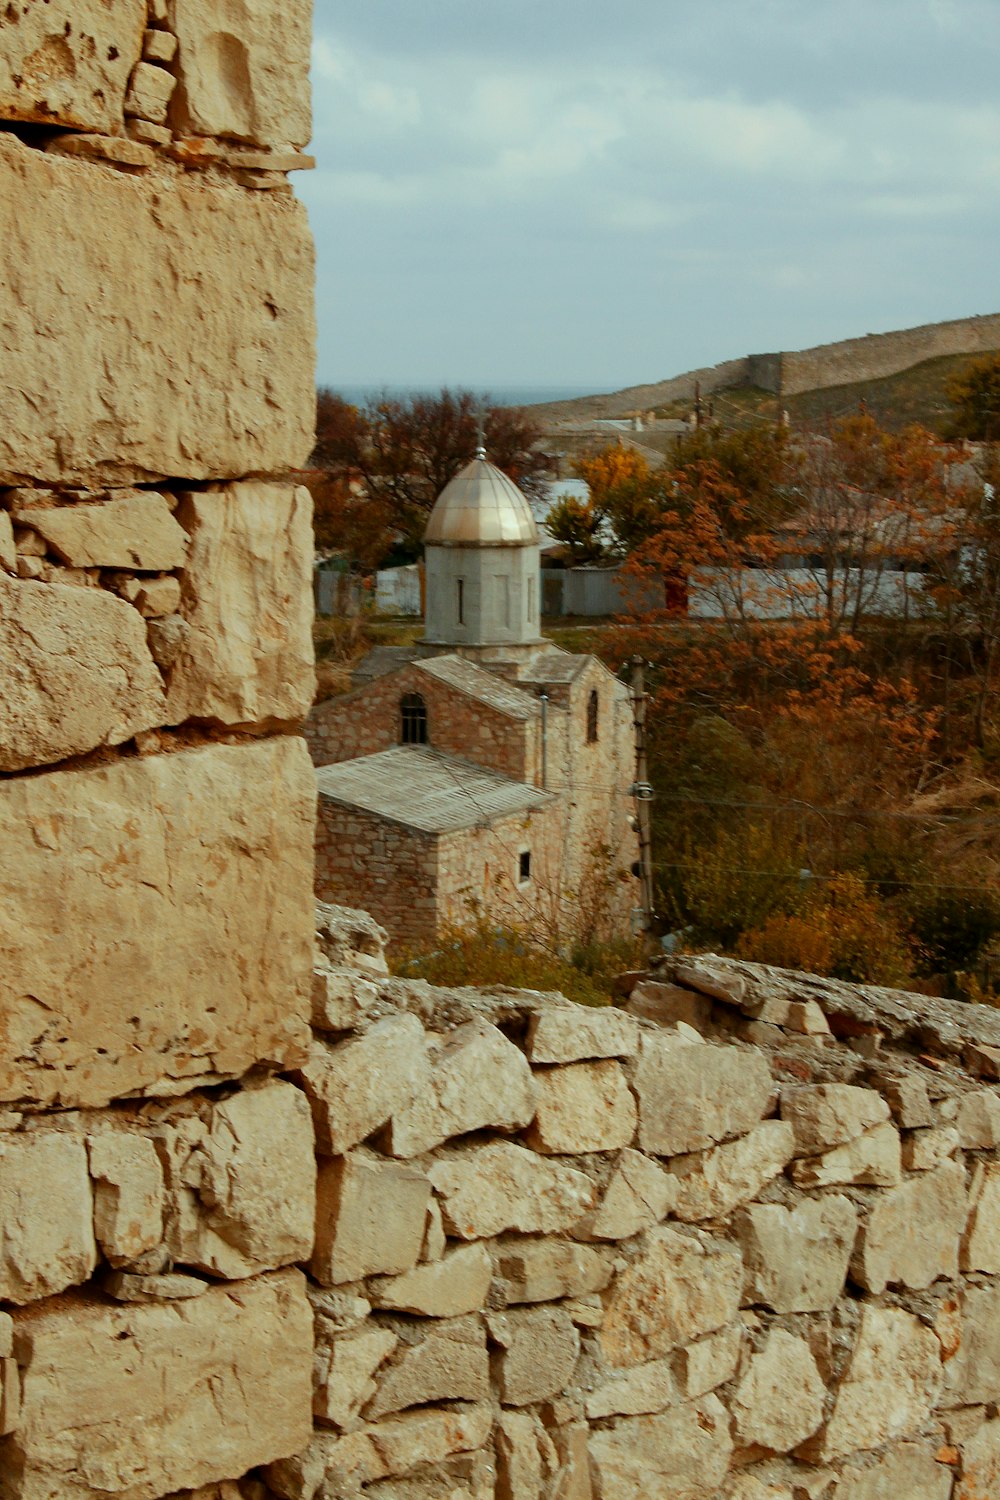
pixel 593 711
pixel 412 720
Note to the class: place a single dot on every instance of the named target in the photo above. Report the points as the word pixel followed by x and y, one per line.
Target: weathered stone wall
pixel 881 354
pixel 157 1177
pixel 735 1239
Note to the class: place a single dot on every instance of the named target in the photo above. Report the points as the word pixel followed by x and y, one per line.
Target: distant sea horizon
pixel 502 395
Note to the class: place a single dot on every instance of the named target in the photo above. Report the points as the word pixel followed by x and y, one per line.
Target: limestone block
pixel 544 1270
pixel 639 1194
pixel 911 1235
pixel 479 1080
pixel 343 1381
pixel 355 1086
pixel 348 936
pixel 981 1240
pixel 370 1218
pixel 485 1189
pixel 978 1120
pixel 128 1195
pixel 538 1351
pixel 448 1364
pixel 632 1393
pixel 692 1096
pixel 244 1200
pixel 76 670
pixel 575 1034
pixel 187 879
pixel 708 1362
pixel 923 1150
pixel 142 1401
pixel 909 1101
pixel 715 1182
pixel 341 998
pixel 981 1464
pixel 684 1454
pixel 572 1478
pixel 909 1471
pixel 829 1114
pixel 669 1002
pixel 8 548
pixel 10 1396
pixel 222 385
pixel 779 1401
pixel 746 1486
pixel 399 1444
pixel 584 1106
pixel 68 62
pixel 159 46
pixel 243 75
pixel 796 1258
pixel 972 1374
pixel 149 93
pixel 891 1384
pixel 167 1286
pixel 680 1287
pixel 446 1288
pixel 247 656
pixel 873 1158
pixel 132 529
pixel 6 1335
pixel 519 1445
pixel 46 1215
pixel 157 597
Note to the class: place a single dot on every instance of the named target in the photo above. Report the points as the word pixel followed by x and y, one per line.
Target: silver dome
pixel 481 507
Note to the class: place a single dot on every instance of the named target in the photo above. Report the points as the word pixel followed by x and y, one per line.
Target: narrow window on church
pixel 592 710
pixel 461 601
pixel 413 720
pixel 503 600
pixel 524 867
pixel 531 601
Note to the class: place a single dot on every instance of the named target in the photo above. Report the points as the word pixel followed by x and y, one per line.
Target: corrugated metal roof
pixel 422 788
pixel 481 685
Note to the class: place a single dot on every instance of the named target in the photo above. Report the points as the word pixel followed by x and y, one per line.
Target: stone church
pixel 483 772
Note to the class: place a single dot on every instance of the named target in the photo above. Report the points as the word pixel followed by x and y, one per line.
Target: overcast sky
pixel 533 192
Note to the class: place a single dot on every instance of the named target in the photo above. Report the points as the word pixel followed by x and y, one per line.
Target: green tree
pixel 975 401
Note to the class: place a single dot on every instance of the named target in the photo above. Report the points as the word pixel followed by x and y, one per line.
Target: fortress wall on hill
pixel 880 354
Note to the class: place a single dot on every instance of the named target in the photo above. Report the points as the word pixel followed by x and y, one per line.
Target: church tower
pixel 482 559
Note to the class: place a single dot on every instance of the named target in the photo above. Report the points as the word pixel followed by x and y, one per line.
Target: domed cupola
pixel 482 561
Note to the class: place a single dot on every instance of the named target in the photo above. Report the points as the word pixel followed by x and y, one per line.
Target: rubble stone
pixel 873 1158
pixel 98 400
pixel 908 1471
pixel 981 1464
pixel 76 670
pixel 457 1283
pixel 245 81
pixel 149 1399
pixel 638 1195
pixel 247 655
pixel 344 1380
pixel 709 1361
pixel 487 1189
pixel 448 1364
pixel 981 1240
pixel 355 1086
pixel 923 1150
pixel 68 62
pixel 830 1114
pixel 532 1270
pixel 133 529
pixel 370 1218
pixel 46 1215
pixel 683 1453
pixel 911 1234
pixel 978 1120
pixel 972 1364
pixel 584 1106
pixel 191 875
pixel 567 1035
pixel 478 1079
pixel 538 1353
pixel 680 1287
pixel 779 1401
pixel 891 1383
pixel 692 1096
pixel 128 1195
pixel 796 1258
pixel 715 1182
pixel 632 1393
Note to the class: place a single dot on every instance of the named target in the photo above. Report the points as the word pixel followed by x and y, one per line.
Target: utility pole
pixel 642 792
pixel 697 404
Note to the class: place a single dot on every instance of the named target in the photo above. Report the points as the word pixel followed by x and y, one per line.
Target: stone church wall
pixel 157 1178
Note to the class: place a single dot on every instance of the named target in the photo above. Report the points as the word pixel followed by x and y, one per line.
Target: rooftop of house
pixel 485 686
pixel 427 790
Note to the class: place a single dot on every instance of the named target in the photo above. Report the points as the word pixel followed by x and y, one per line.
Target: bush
pixel 846 933
pixel 951 928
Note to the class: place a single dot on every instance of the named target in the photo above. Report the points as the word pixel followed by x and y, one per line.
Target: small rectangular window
pixel 524 866
pixel 461 601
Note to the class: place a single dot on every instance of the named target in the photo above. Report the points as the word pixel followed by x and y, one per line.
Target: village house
pixel 483 772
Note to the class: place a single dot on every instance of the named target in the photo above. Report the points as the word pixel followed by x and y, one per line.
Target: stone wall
pixel 157 1177
pixel 880 354
pixel 733 1239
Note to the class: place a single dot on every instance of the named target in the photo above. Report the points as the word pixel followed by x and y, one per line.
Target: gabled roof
pixel 484 686
pixel 424 789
